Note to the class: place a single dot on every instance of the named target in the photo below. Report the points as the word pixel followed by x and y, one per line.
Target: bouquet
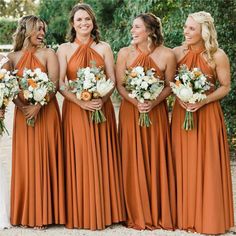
pixel 36 88
pixel 91 83
pixel 143 85
pixel 9 89
pixel 190 86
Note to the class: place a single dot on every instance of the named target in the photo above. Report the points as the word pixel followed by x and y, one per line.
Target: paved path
pixel 115 230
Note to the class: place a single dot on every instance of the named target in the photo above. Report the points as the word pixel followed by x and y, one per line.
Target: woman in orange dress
pixel 146 153
pixel 201 156
pixel 37 186
pixel 94 192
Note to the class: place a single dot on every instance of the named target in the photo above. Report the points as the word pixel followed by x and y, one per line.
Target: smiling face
pixel 139 31
pixel 82 23
pixel 38 35
pixel 192 32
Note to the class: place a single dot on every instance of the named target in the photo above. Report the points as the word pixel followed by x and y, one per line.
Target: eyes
pixel 189 28
pixel 41 28
pixel 79 19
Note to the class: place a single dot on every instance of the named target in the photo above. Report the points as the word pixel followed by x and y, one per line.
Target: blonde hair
pixel 209 34
pixel 27 26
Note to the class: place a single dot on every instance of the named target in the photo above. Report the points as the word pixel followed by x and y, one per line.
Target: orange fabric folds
pixel 202 165
pixel 93 168
pixel 147 165
pixel 37 188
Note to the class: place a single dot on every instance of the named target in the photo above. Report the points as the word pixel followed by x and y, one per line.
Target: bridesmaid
pixel 146 153
pixel 202 164
pixel 93 168
pixel 37 188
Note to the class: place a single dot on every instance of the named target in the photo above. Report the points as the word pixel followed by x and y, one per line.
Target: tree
pixel 17 8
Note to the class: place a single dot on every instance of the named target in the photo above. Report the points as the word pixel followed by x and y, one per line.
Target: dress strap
pixel 87 44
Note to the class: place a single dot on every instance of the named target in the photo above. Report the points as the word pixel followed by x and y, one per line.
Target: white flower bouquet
pixel 143 85
pixel 36 87
pixel 190 86
pixel 91 83
pixel 9 89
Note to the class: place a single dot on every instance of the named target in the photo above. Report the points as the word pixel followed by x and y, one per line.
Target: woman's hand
pixel 31 111
pixel 194 107
pixel 145 107
pixel 93 105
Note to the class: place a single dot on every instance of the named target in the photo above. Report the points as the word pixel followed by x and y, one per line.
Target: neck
pixel 197 45
pixel 30 47
pixel 144 47
pixel 83 39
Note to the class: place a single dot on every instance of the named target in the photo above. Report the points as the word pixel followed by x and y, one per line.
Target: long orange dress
pixel 37 185
pixel 94 189
pixel 202 164
pixel 147 163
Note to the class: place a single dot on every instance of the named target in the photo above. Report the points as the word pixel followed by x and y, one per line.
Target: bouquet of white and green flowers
pixel 36 88
pixel 9 89
pixel 190 86
pixel 91 83
pixel 143 85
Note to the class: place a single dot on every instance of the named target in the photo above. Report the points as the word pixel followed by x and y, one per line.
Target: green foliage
pixel 7 28
pixel 56 15
pixel 17 8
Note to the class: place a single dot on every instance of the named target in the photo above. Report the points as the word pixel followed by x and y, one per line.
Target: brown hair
pixel 153 24
pixel 27 25
pixel 95 32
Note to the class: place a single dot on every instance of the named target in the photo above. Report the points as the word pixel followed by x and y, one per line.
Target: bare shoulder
pixel 104 45
pixel 47 51
pixel 64 47
pixel 167 52
pixel 179 51
pixel 1 57
pixel 124 52
pixel 220 56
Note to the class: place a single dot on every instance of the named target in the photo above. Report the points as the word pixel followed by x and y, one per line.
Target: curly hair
pixel 153 24
pixel 27 26
pixel 208 31
pixel 95 32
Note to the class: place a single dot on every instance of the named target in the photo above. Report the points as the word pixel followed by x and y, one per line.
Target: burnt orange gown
pixel 94 192
pixel 37 184
pixel 147 163
pixel 202 163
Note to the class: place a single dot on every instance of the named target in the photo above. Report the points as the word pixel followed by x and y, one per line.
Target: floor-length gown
pixel 94 192
pixel 147 163
pixel 37 187
pixel 202 164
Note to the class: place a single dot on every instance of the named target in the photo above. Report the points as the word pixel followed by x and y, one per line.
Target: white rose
pixel 147 95
pixel 144 85
pixel 87 84
pixel 185 93
pixel 139 70
pixel 39 94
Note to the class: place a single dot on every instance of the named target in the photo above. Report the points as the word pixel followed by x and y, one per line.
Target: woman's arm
pixel 109 69
pixel 120 74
